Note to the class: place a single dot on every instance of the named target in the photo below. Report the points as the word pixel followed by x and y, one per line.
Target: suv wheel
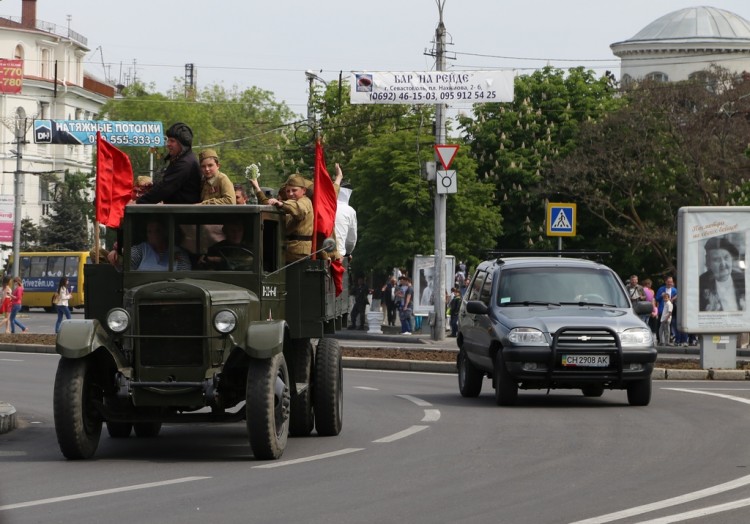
pixel 592 391
pixel 506 389
pixel 469 378
pixel 639 393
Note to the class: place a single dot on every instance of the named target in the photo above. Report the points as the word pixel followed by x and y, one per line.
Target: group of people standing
pixel 398 297
pixel 663 317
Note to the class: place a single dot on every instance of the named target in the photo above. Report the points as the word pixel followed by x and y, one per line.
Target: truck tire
pixel 328 389
pixel 506 389
pixel 639 393
pixel 267 406
pixel 147 429
pixel 303 419
pixel 469 378
pixel 119 429
pixel 77 422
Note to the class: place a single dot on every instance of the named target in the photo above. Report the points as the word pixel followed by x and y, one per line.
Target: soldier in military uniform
pixel 299 218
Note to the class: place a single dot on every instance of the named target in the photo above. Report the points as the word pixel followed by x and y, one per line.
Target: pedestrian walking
pixel 61 298
pixel 16 305
pixel 7 303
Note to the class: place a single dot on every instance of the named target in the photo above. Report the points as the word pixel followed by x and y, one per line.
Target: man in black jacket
pixel 181 178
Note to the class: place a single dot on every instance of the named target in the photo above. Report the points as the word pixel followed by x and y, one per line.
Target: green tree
pixel 66 228
pixel 29 234
pixel 673 145
pixel 513 143
pixel 244 127
pixel 381 150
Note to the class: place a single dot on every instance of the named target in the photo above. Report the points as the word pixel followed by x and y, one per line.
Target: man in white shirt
pixel 346 223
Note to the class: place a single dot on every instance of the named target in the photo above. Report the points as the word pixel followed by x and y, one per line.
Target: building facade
pixel 55 86
pixel 684 43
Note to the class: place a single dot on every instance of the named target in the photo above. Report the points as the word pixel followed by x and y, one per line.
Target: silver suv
pixel 552 323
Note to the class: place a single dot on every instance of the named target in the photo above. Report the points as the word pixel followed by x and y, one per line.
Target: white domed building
pixel 684 43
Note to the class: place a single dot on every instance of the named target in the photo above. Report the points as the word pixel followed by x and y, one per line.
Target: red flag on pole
pixel 114 182
pixel 324 200
pixel 324 212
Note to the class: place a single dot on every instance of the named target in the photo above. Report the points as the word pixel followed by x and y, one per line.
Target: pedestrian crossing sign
pixel 561 220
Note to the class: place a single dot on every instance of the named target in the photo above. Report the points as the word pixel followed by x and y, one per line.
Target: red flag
pixel 114 182
pixel 324 212
pixel 324 200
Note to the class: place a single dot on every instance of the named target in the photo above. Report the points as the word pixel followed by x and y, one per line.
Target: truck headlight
pixel 118 320
pixel 636 337
pixel 225 321
pixel 527 337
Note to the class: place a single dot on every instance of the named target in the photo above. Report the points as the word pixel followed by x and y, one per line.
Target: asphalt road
pixel 412 450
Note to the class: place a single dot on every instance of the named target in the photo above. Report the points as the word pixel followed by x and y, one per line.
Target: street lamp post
pixel 18 194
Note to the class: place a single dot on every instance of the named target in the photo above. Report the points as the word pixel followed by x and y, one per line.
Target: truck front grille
pixel 170 334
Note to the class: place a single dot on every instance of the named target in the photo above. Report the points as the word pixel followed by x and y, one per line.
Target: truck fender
pixel 265 338
pixel 78 338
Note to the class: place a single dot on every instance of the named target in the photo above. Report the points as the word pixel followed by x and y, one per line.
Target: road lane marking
pixel 401 434
pixel 100 493
pixel 711 394
pixel 311 458
pixel 366 388
pixel 711 510
pixel 11 360
pixel 674 501
pixel 418 401
pixel 431 415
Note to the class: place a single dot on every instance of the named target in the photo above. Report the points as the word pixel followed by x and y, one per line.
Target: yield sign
pixel 446 154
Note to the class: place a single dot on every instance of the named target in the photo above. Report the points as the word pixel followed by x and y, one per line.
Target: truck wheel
pixel 469 378
pixel 119 429
pixel 328 389
pixel 593 391
pixel 303 419
pixel 639 393
pixel 506 389
pixel 77 422
pixel 147 429
pixel 267 406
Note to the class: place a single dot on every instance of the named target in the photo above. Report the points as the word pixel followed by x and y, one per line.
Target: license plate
pixel 590 361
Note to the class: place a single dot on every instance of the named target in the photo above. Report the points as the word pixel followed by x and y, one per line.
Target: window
pixel 486 293
pixel 658 76
pixel 44 73
pixel 476 285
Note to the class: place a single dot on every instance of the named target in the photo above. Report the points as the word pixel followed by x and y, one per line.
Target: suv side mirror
pixel 476 307
pixel 643 307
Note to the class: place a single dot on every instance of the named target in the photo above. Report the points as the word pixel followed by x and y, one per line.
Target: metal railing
pixel 55 29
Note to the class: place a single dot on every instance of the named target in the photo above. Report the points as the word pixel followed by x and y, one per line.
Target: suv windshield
pixel 560 286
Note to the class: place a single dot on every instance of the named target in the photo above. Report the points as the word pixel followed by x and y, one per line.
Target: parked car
pixel 552 323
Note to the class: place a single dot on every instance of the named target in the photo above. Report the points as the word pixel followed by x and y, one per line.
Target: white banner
pixel 712 244
pixel 431 87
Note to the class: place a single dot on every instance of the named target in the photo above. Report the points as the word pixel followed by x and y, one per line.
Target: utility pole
pixel 18 192
pixel 438 327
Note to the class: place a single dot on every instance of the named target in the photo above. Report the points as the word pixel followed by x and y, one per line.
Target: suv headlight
pixel 225 321
pixel 118 320
pixel 636 337
pixel 527 337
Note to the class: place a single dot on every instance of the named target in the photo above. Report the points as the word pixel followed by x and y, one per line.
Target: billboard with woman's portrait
pixel 712 276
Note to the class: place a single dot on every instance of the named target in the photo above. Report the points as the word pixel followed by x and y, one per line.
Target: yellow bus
pixel 41 273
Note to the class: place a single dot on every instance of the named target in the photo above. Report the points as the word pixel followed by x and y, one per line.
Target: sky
pixel 270 44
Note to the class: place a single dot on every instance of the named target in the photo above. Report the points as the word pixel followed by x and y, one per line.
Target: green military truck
pixel 195 326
